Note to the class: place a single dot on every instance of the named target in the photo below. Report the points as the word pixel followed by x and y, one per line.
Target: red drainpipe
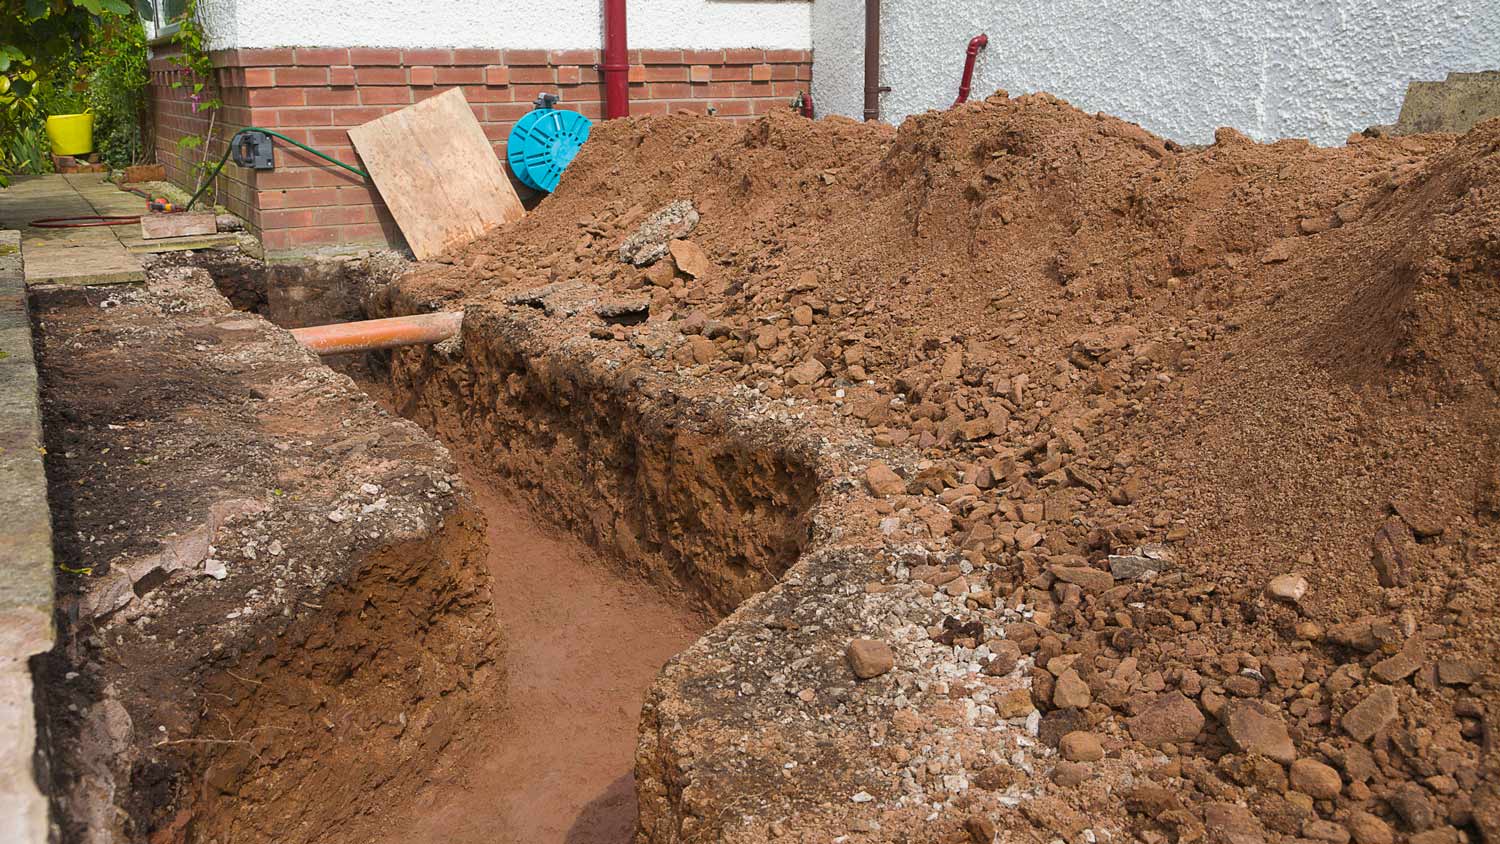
pixel 616 65
pixel 976 44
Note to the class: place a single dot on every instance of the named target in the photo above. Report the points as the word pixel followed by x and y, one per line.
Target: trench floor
pixel 583 642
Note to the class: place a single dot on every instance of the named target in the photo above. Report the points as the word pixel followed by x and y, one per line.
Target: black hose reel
pixel 255 150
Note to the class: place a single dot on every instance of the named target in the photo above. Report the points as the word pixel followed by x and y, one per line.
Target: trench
pixel 582 643
pixel 617 534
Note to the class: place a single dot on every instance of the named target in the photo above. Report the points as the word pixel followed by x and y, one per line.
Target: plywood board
pixel 437 173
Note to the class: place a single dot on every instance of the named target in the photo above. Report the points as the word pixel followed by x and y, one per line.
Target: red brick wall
pixel 314 94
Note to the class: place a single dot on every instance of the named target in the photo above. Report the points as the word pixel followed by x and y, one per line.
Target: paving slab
pixel 137 245
pixel 92 255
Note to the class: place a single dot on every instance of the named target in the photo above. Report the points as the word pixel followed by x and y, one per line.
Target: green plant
pixel 60 90
pixel 19 112
pixel 37 37
pixel 116 92
pixel 20 122
pixel 24 152
pixel 35 33
pixel 27 150
pixel 203 94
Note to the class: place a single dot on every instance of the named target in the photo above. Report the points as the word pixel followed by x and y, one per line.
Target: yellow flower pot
pixel 71 134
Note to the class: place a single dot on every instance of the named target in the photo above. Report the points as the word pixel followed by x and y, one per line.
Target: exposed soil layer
pixel 316 291
pixel 582 645
pixel 276 616
pixel 713 515
pixel 572 426
pixel 1198 446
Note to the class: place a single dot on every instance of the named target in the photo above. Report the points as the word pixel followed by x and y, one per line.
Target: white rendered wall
pixel 1317 69
pixel 838 28
pixel 527 24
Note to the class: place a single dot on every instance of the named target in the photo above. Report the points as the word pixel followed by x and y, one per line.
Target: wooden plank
pixel 139 246
pixel 437 173
pixel 178 224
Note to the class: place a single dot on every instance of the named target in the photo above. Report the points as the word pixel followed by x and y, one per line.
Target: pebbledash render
pixel 732 60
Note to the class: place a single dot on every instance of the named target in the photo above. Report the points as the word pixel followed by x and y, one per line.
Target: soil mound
pixel 1424 275
pixel 1273 366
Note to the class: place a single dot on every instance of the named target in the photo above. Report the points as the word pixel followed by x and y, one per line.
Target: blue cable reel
pixel 544 142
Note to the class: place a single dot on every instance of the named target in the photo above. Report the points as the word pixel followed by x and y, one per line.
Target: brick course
pixel 315 94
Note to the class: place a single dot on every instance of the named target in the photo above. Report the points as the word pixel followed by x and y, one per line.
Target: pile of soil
pixel 1266 375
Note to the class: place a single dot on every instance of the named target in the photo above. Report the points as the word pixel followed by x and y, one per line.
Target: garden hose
pixel 100 220
pixel 229 148
pixel 82 222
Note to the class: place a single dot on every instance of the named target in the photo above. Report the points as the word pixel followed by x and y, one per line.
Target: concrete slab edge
pixel 26 564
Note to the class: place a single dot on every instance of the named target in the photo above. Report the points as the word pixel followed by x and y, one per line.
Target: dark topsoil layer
pixel 1072 339
pixel 274 609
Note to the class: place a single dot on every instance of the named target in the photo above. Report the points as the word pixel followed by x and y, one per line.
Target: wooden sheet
pixel 177 224
pixel 436 171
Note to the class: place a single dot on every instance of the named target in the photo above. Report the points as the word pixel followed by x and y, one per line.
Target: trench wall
pixel 672 490
pixel 277 614
pixel 376 684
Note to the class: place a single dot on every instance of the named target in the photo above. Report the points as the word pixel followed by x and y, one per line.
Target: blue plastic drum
pixel 543 143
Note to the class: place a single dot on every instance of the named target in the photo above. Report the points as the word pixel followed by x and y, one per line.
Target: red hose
pixel 82 222
pixel 90 220
pixel 976 44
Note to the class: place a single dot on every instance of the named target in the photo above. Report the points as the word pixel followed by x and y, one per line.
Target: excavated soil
pixel 274 617
pixel 1200 444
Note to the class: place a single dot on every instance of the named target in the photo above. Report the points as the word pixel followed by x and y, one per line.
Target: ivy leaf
pixel 37 9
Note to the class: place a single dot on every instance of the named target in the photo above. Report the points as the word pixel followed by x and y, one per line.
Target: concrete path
pixel 25 557
pixel 95 255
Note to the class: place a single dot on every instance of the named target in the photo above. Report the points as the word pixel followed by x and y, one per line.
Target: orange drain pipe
pixel 371 334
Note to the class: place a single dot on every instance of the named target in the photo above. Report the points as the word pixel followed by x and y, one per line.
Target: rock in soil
pixel 1171 718
pixel 870 658
pixel 1254 729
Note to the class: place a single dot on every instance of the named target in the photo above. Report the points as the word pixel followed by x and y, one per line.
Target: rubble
pixel 1139 464
pixel 651 241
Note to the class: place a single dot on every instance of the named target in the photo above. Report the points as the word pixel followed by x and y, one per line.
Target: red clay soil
pixel 1273 358
pixel 582 644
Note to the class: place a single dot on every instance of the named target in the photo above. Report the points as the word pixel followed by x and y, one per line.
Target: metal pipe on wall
pixel 872 60
pixel 616 65
pixel 976 44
